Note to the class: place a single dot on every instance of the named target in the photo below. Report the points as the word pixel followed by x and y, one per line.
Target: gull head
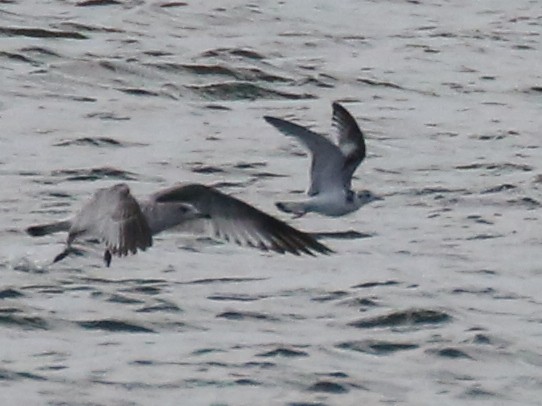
pixel 362 198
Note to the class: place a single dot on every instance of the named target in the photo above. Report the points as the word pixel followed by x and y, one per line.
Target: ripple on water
pixel 245 315
pixel 113 325
pixel 244 91
pixel 10 318
pixel 283 352
pixel 449 352
pixel 94 174
pixel 10 293
pixel 411 317
pixel 376 347
pixel 39 33
pixel 95 142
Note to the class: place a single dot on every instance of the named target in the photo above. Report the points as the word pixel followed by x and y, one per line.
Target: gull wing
pixel 113 216
pixel 351 142
pixel 327 159
pixel 233 220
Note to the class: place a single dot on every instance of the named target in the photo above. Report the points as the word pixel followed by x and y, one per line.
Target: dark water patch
pixel 207 169
pixel 244 91
pixel 307 404
pixel 477 392
pixel 223 185
pixel 158 53
pixel 449 352
pixel 328 387
pixel 123 282
pixel 341 235
pixel 372 82
pixel 92 142
pixel 411 317
pixel 83 99
pixel 240 74
pixel 537 89
pixel 527 202
pixel 144 362
pixel 41 51
pixel 247 382
pixel 239 52
pixel 482 339
pixel 24 322
pixel 52 368
pixel 217 107
pixel 94 174
pixel 250 165
pixel 330 296
pixel 506 166
pixel 316 82
pixel 484 237
pixel 479 219
pixel 376 347
pixel 489 137
pixel 114 326
pixel 7 375
pixel 210 281
pixel 216 70
pixel 337 374
pixel 483 272
pixel 474 291
pixel 90 28
pixel 267 175
pixel 39 33
pixel 164 307
pixel 138 92
pixel 205 351
pixel 284 353
pixel 92 3
pixel 434 190
pixel 259 364
pixel 107 116
pixel 367 285
pixel 147 290
pixel 174 4
pixel 122 299
pixel 364 303
pixel 235 297
pixel 241 315
pixel 19 58
pixel 9 293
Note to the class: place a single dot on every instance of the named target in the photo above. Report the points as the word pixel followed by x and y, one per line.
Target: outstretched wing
pixel 233 220
pixel 327 159
pixel 351 142
pixel 113 216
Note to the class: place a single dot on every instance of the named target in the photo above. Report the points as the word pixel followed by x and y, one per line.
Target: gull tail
pixel 297 208
pixel 44 229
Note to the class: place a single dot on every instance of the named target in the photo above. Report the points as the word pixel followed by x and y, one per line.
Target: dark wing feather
pixel 350 139
pixel 234 220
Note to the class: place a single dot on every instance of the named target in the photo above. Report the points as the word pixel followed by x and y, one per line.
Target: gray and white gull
pixel 332 166
pixel 126 225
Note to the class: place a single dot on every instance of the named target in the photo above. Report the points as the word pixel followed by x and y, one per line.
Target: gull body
pixel 332 166
pixel 126 225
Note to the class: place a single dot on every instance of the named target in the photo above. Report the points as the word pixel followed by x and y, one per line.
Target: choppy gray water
pixel 439 305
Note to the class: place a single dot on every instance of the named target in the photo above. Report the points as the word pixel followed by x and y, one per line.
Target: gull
pixel 332 166
pixel 126 225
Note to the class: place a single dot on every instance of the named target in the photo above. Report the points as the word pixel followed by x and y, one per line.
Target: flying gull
pixel 127 225
pixel 332 166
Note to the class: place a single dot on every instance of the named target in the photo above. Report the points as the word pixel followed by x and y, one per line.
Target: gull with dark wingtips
pixel 332 166
pixel 126 225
